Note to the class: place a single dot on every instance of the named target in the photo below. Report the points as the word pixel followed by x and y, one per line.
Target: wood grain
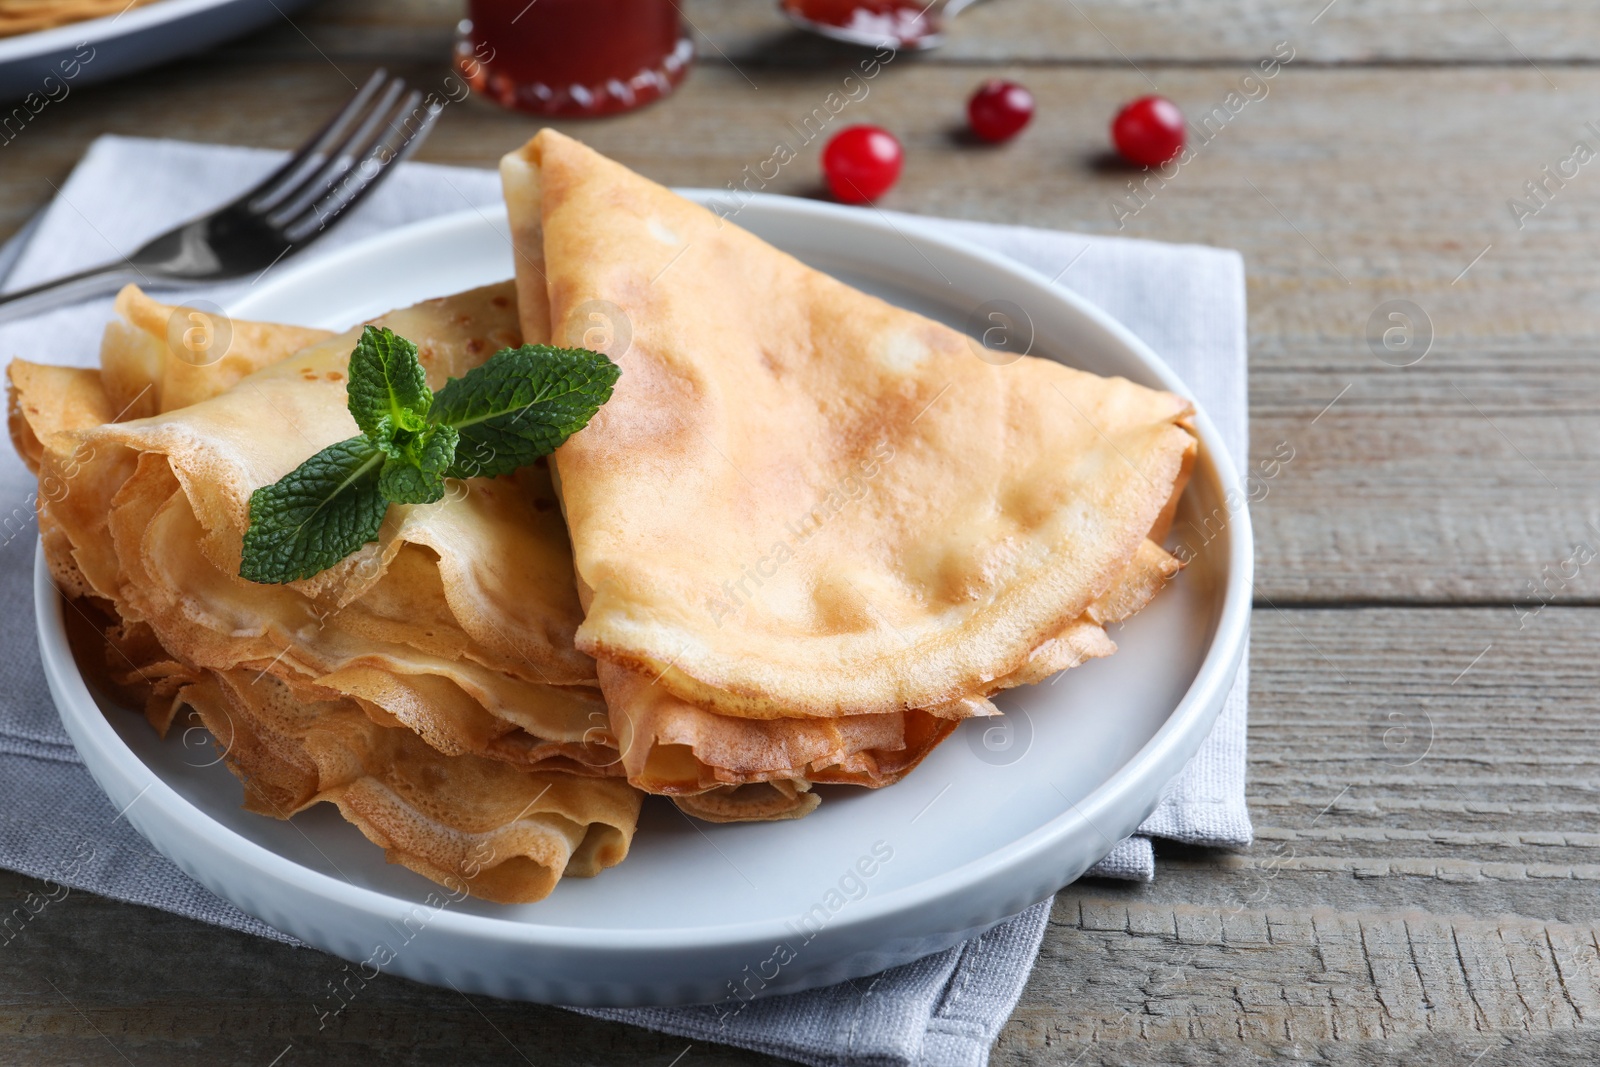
pixel 1424 762
pixel 1109 32
pixel 1424 865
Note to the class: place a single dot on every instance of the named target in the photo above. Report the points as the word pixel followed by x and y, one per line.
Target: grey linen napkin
pixel 1187 302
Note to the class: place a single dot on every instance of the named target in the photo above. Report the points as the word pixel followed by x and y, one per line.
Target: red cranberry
pixel 1149 131
pixel 862 163
pixel 999 110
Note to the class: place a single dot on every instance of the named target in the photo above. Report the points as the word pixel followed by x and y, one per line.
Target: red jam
pixel 573 57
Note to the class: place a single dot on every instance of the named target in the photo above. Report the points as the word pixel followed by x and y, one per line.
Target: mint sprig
pixel 518 406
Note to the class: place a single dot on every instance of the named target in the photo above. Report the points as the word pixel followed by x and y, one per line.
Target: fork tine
pixel 280 183
pixel 381 158
pixel 340 160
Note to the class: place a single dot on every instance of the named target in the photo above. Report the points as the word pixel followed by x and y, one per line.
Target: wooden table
pixel 1424 767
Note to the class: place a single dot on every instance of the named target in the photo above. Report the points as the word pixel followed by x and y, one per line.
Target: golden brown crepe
pixel 703 759
pixel 714 768
pixel 809 527
pixel 396 649
pixel 503 834
pixel 802 500
pixel 457 624
pixel 120 506
pixel 46 403
pixel 157 357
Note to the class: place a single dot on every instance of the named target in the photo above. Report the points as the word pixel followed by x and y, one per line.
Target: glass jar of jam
pixel 573 57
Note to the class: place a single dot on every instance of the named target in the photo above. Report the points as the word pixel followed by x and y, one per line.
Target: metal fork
pixel 382 124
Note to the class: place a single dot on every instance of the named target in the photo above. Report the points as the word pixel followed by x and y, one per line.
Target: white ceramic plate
pixel 104 48
pixel 998 817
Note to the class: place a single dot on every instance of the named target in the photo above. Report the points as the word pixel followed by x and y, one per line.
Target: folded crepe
pixel 812 530
pixel 475 825
pixel 458 625
pixel 157 357
pixel 727 770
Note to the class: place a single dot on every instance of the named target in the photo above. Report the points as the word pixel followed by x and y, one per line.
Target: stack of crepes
pixel 807 536
pixel 428 686
pixel 812 532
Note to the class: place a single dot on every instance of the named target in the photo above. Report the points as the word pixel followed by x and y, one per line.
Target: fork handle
pixel 58 292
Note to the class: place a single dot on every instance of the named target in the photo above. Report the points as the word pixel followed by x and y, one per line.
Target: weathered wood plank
pixel 1336 986
pixel 91 981
pixel 751 32
pixel 1423 871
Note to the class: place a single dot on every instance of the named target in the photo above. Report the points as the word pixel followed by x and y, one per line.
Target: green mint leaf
pixel 388 391
pixel 520 405
pixel 417 475
pixel 315 515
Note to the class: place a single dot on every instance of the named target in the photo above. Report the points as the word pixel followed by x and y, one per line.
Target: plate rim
pixel 1186 725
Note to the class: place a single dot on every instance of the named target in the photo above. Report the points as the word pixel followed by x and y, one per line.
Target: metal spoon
pixel 876 23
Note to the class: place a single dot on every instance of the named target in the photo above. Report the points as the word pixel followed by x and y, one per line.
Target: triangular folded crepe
pixel 802 503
